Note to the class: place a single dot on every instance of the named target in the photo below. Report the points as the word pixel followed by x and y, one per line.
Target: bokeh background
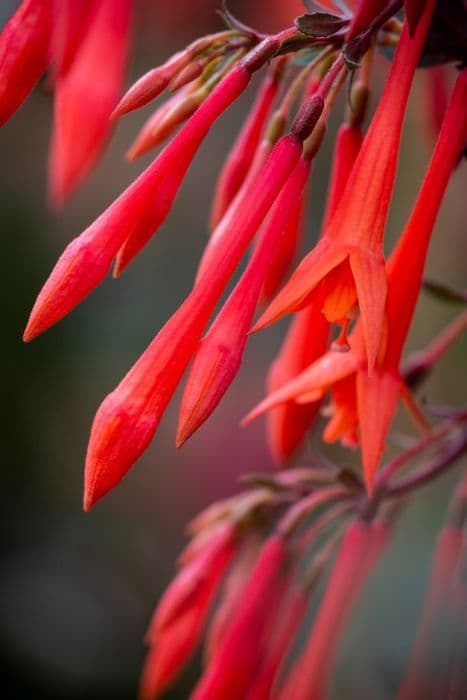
pixel 77 590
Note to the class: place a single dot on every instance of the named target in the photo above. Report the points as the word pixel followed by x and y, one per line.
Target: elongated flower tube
pixel 308 679
pixel 71 21
pixel 286 252
pixel 351 247
pixel 291 615
pixel 128 418
pixel 24 53
pixel 240 157
pixel 307 337
pixel 139 210
pixel 232 589
pixel 378 394
pixel 227 226
pixel 234 666
pixel 84 99
pixel 178 621
pixel 218 358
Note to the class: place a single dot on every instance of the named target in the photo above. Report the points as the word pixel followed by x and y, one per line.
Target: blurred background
pixel 77 590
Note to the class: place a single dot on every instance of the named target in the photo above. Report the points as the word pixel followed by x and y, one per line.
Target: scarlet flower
pixel 24 53
pixel 232 669
pixel 308 679
pixel 128 418
pixel 369 401
pixel 139 211
pixel 349 255
pixel 286 252
pixel 239 160
pixel 307 337
pixel 219 355
pixel 180 616
pixel 289 619
pixel 91 86
pixel 232 589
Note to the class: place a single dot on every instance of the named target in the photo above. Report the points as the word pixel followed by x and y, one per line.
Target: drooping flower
pixel 128 418
pixel 309 676
pixel 139 211
pixel 349 254
pixel 219 355
pixel 369 401
pixel 90 85
pixel 308 335
pixel 180 616
pixel 24 53
pixel 235 664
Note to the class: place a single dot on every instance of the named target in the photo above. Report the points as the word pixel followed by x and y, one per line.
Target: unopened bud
pixel 258 56
pixel 307 117
pixel 192 71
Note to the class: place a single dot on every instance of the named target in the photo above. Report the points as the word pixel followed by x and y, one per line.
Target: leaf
pixel 444 292
pixel 320 24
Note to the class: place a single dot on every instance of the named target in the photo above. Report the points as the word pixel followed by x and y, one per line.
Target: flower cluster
pixel 352 307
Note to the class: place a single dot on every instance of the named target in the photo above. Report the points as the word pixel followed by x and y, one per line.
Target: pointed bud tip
pixel 34 327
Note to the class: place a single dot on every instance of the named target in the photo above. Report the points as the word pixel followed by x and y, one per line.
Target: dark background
pixel 77 590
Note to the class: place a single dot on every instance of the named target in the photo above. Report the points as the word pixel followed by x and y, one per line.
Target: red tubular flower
pixel 85 95
pixel 291 615
pixel 239 160
pixel 233 668
pixel 24 53
pixel 377 395
pixel 128 418
pixel 227 226
pixel 133 217
pixel 351 247
pixel 308 334
pixel 71 22
pixel 219 355
pixel 179 619
pixel 286 252
pixel 348 143
pixel 233 586
pixel 309 677
pixel 288 423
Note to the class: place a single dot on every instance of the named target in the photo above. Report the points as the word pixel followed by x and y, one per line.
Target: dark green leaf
pixel 320 24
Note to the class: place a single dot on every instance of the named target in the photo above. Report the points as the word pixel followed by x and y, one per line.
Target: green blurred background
pixel 76 590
